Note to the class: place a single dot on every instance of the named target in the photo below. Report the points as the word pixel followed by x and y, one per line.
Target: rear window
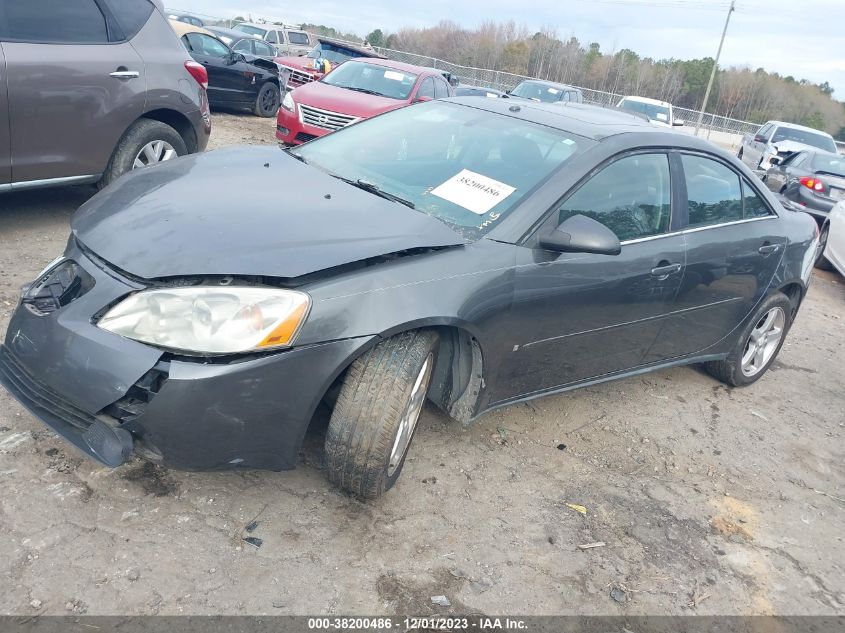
pixel 806 137
pixel 834 165
pixel 53 21
pixel 132 15
pixel 250 30
pixel 653 111
pixel 537 91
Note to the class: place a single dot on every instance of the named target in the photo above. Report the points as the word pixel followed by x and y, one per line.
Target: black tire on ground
pixel 729 371
pixel 268 101
pixel 822 262
pixel 366 421
pixel 138 136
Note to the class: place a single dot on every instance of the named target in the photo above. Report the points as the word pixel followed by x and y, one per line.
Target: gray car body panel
pixel 542 322
pixel 5 141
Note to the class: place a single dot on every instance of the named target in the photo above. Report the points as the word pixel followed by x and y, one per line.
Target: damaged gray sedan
pixel 469 251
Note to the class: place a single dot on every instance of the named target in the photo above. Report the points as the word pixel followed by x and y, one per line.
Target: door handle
pixel 664 271
pixel 768 249
pixel 125 74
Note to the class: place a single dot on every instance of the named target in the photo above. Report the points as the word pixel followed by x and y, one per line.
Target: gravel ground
pixel 708 500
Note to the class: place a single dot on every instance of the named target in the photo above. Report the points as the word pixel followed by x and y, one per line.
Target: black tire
pixel 822 262
pixel 729 371
pixel 138 136
pixel 374 398
pixel 268 101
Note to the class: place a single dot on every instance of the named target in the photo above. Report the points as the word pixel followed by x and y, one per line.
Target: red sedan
pixel 356 90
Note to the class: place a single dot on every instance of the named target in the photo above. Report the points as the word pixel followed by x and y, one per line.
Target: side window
pixel 298 37
pixel 187 43
pixel 262 48
pixel 53 21
pixel 272 37
pixel 132 15
pixel 426 88
pixel 206 45
pixel 632 197
pixel 798 159
pixel 244 46
pixel 754 205
pixel 713 191
pixel 765 130
pixel 441 88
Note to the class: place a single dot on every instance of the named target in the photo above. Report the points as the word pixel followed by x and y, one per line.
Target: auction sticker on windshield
pixel 473 192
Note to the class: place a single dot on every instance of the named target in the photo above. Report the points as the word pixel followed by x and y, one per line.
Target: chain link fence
pixel 507 81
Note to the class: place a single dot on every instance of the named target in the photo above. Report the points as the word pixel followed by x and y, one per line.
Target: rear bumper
pixel 102 392
pixel 810 202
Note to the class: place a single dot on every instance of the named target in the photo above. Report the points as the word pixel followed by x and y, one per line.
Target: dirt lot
pixel 709 500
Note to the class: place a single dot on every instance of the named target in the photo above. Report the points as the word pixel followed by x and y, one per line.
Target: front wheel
pixel 822 262
pixel 268 101
pixel 376 413
pixel 757 346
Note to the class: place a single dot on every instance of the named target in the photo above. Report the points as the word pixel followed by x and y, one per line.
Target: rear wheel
pixel 758 345
pixel 268 101
pixel 376 413
pixel 145 143
pixel 822 262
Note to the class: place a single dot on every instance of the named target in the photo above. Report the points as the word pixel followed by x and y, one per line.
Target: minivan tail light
pixel 813 183
pixel 198 72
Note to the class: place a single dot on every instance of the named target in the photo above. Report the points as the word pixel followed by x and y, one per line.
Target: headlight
pixel 210 319
pixel 288 103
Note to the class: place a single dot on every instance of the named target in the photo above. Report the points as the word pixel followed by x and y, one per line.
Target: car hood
pixel 245 211
pixel 344 101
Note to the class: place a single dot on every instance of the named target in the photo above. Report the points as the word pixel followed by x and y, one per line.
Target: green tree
pixel 826 88
pixel 376 38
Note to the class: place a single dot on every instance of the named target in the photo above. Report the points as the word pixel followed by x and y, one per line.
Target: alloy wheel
pixel 154 152
pixel 411 415
pixel 763 341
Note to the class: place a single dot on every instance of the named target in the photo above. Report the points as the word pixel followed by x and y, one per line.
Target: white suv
pixel 658 112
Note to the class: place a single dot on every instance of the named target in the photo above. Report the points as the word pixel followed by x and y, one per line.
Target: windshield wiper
pixel 289 151
pixel 366 91
pixel 374 189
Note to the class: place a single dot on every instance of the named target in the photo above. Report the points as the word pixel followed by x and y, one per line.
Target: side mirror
pixel 775 160
pixel 580 234
pixel 759 139
pixel 234 58
pixel 422 99
pixel 678 122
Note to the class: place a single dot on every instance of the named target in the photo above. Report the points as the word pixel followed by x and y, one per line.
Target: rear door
pixel 5 158
pixel 734 245
pixel 74 85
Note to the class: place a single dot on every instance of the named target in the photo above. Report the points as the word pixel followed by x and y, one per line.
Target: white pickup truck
pixel 777 139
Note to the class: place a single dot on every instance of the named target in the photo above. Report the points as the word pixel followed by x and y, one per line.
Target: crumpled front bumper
pixel 189 414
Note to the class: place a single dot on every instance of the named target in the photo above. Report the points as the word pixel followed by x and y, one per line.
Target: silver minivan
pixel 90 89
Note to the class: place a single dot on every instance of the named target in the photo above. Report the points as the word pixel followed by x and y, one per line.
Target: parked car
pixel 356 90
pixel 186 18
pixel 310 67
pixel 813 179
pixel 476 91
pixel 658 112
pixel 235 80
pixel 478 252
pixel 780 139
pixel 287 40
pixel 73 113
pixel 240 42
pixel 832 241
pixel 547 92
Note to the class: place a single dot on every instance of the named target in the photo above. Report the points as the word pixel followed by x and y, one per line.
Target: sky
pixel 802 38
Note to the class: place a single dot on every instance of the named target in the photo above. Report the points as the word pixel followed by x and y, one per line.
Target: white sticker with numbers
pixel 473 192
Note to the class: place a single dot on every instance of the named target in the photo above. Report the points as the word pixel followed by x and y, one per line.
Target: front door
pixel 733 251
pixel 72 92
pixel 580 316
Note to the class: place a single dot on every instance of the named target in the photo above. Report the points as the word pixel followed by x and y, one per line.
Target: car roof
pixel 590 121
pixel 389 63
pixel 222 30
pixel 183 28
pixel 647 100
pixel 553 84
pixel 795 126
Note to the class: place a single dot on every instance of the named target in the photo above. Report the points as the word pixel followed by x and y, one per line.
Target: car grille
pixel 304 137
pixel 57 288
pixel 324 119
pixel 38 395
pixel 299 77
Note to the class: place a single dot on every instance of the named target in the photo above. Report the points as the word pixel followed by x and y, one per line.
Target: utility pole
pixel 715 66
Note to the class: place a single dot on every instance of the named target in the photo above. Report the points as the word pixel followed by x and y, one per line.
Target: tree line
pixel 744 93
